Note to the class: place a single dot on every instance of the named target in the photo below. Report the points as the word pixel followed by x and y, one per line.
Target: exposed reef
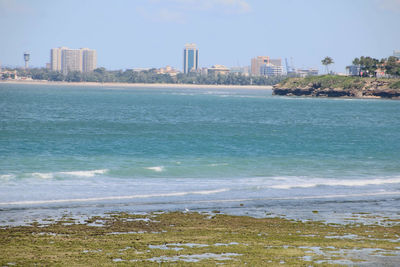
pixel 339 86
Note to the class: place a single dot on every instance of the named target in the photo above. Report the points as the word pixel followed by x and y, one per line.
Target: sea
pixel 93 150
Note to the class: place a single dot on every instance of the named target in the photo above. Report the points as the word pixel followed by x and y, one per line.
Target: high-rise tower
pixel 65 59
pixel 190 58
pixel 71 60
pixel 89 59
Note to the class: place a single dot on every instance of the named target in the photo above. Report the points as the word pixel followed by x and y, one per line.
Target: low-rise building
pixel 270 69
pixel 307 72
pixel 240 70
pixel 353 70
pixel 218 70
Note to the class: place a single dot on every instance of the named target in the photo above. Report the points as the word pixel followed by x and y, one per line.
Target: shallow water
pixel 90 150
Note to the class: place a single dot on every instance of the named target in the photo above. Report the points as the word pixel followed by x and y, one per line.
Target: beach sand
pixel 139 85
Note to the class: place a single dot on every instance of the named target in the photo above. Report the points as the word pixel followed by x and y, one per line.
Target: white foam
pixel 156 168
pixel 7 176
pixel 85 173
pixel 43 175
pixel 331 182
pixel 51 175
pixel 54 201
pixel 218 164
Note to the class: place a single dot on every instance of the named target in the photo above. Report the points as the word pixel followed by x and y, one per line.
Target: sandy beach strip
pixel 139 85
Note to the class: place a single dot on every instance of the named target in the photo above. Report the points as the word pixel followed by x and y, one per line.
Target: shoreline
pixel 140 85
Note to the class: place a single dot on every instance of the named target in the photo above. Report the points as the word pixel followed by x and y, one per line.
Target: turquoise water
pixel 106 149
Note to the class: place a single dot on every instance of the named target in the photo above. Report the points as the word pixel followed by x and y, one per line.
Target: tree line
pixel 147 76
pixel 369 66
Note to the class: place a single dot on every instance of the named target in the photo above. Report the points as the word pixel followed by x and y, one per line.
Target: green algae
pixel 194 239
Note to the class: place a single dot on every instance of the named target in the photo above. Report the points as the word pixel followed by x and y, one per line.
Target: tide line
pixel 177 194
pixel 299 198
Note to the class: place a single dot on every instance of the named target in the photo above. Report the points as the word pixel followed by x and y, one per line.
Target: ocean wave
pixel 306 183
pixel 218 164
pixel 51 175
pixel 156 168
pixel 55 201
pixel 7 176
pixel 43 175
pixel 85 173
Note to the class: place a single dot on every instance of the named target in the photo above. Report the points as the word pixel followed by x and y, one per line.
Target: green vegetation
pixel 326 62
pixel 323 82
pixel 392 66
pixel 395 85
pixel 149 76
pixel 369 66
pixel 193 239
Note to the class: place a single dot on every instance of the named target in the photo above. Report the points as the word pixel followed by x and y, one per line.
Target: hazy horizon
pixel 152 33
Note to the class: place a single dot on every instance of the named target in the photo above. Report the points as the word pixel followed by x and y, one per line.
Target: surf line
pixel 177 194
pixel 294 198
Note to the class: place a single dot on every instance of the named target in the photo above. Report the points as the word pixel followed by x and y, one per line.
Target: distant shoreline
pixel 141 85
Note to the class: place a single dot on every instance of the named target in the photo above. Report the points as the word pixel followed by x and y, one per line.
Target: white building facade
pixel 65 59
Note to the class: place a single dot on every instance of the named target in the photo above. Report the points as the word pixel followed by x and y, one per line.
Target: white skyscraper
pixel 65 59
pixel 89 59
pixel 71 60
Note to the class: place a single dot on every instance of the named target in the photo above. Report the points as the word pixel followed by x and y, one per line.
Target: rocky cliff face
pixel 369 89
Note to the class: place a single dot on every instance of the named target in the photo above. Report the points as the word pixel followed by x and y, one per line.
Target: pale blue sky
pixel 152 33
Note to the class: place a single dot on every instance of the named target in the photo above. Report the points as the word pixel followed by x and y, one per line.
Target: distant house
pixel 306 72
pixel 353 70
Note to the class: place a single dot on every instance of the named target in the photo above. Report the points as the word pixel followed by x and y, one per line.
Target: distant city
pixel 66 60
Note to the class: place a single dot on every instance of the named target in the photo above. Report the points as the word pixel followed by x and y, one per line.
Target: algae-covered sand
pixel 198 239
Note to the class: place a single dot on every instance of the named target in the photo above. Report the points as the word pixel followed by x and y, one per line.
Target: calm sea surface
pixel 90 150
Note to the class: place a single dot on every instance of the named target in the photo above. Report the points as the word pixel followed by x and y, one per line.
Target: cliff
pixel 339 86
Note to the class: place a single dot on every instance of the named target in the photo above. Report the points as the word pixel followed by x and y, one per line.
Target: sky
pixel 152 33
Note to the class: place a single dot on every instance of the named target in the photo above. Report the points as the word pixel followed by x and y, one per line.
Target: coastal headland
pixel 138 85
pixel 339 86
pixel 198 239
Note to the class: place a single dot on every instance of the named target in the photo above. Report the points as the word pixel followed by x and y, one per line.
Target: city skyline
pixel 151 33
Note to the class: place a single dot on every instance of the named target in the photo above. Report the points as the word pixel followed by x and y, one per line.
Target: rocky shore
pixel 198 239
pixel 337 86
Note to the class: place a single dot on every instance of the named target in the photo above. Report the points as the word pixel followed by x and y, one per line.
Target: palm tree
pixel 326 62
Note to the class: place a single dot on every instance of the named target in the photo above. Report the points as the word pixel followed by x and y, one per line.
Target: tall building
pixel 190 58
pixel 276 62
pixel 89 59
pixel 55 58
pixel 256 64
pixel 270 69
pixel 71 60
pixel 65 59
pixel 262 65
pixel 396 53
